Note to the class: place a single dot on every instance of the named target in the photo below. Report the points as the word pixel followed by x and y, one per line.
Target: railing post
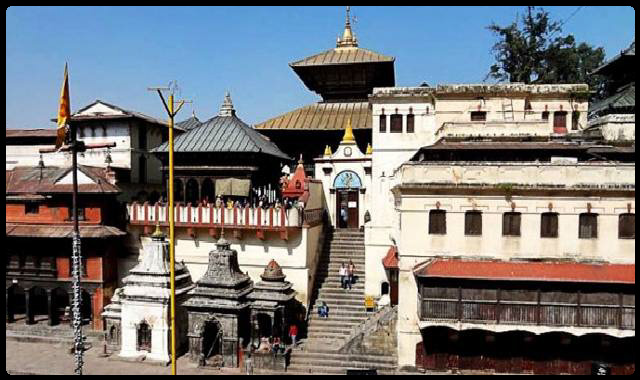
pixel 498 307
pixel 459 303
pixel 578 312
pixel 620 310
pixel 538 309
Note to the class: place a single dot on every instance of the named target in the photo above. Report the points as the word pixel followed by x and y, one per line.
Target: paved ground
pixel 53 359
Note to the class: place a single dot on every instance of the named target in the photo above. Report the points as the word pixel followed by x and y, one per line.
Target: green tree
pixel 535 51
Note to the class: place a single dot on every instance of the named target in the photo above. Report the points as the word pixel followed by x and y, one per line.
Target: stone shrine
pixel 218 310
pixel 142 323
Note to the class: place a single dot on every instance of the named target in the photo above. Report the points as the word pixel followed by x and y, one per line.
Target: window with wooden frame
pixel 437 222
pixel 142 169
pixel 549 225
pixel 80 213
pixel 511 224
pixel 396 124
pixel 31 208
pixel 478 116
pixel 545 115
pixel 588 226
pixel 627 226
pixel 383 123
pixel 473 223
pixel 410 122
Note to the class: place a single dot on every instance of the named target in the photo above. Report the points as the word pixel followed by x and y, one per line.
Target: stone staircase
pixel 319 352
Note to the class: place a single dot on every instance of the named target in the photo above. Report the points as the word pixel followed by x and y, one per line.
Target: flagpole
pixel 76 258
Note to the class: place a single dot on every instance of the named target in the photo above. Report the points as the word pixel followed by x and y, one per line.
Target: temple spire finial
pixel 348 39
pixel 227 106
pixel 348 133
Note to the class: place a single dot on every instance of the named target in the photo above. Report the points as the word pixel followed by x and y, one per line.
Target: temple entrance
pixel 347 209
pixel 61 307
pixel 211 342
pixel 143 337
pixel 38 304
pixel 16 304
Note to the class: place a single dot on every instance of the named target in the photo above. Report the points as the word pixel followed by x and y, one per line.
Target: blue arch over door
pixel 347 179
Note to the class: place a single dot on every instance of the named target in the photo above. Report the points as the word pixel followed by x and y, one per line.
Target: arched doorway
pixel 38 304
pixel 61 306
pixel 211 340
pixel 16 303
pixel 347 185
pixel 178 194
pixel 85 307
pixel 143 336
pixel 264 325
pixel 208 191
pixel 192 192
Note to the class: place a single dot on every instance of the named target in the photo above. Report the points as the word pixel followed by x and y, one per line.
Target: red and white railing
pixel 211 216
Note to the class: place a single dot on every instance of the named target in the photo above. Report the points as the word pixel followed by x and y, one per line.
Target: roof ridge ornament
pixel 348 39
pixel 227 106
pixel 348 134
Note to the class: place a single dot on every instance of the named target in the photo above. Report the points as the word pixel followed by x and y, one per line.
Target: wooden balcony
pixel 529 313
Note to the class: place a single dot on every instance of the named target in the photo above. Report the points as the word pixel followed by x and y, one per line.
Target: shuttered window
pixel 627 226
pixel 396 124
pixel 383 123
pixel 437 222
pixel 478 116
pixel 545 115
pixel 549 225
pixel 511 224
pixel 588 226
pixel 410 123
pixel 473 223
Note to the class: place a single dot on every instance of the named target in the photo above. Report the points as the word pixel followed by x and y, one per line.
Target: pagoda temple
pixel 344 77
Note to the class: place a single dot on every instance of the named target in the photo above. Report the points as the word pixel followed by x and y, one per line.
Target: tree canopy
pixel 533 50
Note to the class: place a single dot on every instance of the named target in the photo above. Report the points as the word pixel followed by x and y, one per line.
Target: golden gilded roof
pixel 322 116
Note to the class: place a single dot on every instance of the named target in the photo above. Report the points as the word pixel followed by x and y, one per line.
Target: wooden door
pixel 342 202
pixel 393 285
pixel 353 209
pixel 560 122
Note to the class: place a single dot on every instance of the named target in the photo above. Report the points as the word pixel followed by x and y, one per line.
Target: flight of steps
pixel 318 354
pixel 42 333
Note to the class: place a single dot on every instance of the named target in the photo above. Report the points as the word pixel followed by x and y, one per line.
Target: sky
pixel 115 53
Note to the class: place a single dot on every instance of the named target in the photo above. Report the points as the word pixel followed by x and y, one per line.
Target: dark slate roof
pixel 323 116
pixel 189 124
pixel 624 54
pixel 623 99
pixel 223 134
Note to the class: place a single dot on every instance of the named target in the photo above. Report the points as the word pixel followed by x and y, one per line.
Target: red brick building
pixel 38 236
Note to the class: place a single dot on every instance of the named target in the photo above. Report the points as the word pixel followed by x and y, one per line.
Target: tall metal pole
pixel 172 278
pixel 172 241
pixel 77 318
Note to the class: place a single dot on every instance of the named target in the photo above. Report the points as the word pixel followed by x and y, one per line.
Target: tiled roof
pixel 323 116
pixel 26 180
pixel 123 114
pixel 339 56
pixel 61 231
pixel 188 124
pixel 625 98
pixel 390 261
pixel 31 133
pixel 530 271
pixel 223 134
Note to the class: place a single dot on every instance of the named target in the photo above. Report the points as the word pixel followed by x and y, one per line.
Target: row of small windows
pixel 396 123
pixel 588 224
pixel 559 118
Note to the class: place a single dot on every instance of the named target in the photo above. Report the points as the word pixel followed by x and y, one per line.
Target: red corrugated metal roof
pixel 390 261
pixel 53 231
pixel 531 271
